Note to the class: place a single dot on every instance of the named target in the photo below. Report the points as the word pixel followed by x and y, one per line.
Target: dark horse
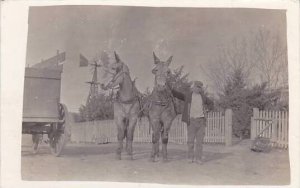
pixel 161 109
pixel 126 105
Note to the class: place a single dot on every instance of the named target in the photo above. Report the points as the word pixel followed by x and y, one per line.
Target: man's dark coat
pixel 187 98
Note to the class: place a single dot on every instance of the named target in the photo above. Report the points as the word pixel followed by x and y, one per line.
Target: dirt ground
pixel 235 165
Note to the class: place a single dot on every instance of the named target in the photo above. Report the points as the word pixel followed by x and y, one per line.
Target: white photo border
pixel 14 19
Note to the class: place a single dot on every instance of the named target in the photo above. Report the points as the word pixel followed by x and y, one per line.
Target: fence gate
pixel 279 130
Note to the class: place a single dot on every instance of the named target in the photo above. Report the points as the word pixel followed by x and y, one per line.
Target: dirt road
pixel 231 165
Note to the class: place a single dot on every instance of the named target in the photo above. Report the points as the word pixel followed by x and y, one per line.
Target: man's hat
pixel 197 84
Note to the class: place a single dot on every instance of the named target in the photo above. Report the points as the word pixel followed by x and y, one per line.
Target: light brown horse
pixel 161 110
pixel 126 104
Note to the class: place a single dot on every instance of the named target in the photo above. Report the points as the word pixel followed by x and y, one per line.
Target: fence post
pixel 253 123
pixel 228 127
pixel 275 128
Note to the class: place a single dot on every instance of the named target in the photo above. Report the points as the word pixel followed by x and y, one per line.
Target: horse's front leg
pixel 130 133
pixel 121 135
pixel 156 127
pixel 167 122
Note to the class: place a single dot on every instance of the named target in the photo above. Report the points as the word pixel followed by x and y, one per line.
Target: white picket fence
pixel 219 127
pixel 278 132
pixel 215 130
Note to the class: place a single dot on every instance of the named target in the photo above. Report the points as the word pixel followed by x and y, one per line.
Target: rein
pixel 116 76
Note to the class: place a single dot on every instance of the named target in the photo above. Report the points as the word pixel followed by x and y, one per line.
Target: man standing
pixel 194 116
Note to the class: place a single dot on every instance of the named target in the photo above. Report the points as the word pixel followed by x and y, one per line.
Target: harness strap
pixel 117 76
pixel 130 101
pixel 161 103
pixel 123 108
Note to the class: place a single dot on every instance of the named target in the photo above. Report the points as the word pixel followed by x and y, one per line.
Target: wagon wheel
pixel 36 138
pixel 60 133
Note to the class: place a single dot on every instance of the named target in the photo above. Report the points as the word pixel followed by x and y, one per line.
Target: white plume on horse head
pixel 162 47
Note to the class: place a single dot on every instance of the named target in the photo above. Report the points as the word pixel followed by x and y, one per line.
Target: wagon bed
pixel 42 111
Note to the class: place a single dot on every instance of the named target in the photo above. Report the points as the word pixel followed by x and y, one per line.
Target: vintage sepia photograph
pixel 160 95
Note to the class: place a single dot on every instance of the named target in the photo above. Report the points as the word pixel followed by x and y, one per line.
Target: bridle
pixel 166 88
pixel 115 77
pixel 131 101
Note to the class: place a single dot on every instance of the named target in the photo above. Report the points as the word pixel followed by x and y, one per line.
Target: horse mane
pixel 125 70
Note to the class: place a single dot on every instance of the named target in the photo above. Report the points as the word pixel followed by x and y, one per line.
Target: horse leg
pixel 156 127
pixel 167 122
pixel 165 140
pixel 130 133
pixel 121 136
pixel 126 132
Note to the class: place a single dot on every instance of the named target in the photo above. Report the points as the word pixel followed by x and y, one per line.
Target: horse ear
pixel 156 60
pixel 117 57
pixel 169 60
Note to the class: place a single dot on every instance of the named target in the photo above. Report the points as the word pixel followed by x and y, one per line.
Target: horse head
pixel 117 71
pixel 161 72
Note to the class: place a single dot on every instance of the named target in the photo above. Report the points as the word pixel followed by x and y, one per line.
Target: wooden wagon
pixel 42 111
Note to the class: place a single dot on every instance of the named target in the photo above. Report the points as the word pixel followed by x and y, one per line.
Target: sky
pixel 192 35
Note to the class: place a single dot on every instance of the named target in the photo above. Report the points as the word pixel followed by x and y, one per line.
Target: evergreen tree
pixel 99 108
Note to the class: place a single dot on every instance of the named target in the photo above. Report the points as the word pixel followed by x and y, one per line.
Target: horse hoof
pixel 154 159
pixel 130 157
pixel 165 160
pixel 151 159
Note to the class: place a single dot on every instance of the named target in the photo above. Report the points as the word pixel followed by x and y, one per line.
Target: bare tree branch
pixel 261 57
